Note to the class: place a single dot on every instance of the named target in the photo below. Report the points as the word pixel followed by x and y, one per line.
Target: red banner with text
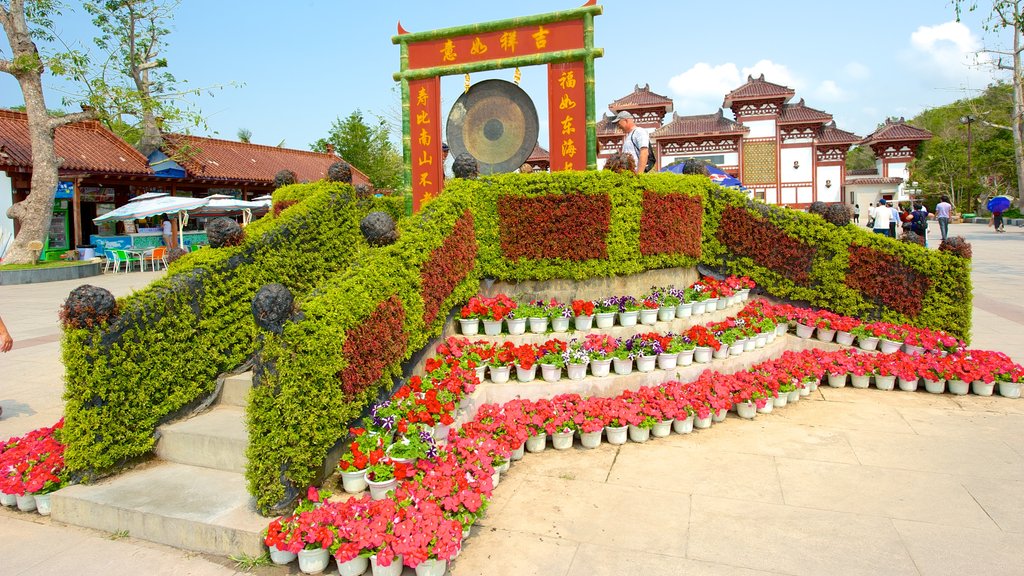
pixel 521 41
pixel 425 134
pixel 567 116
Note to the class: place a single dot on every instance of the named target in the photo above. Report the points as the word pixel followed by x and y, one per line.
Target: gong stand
pixel 492 120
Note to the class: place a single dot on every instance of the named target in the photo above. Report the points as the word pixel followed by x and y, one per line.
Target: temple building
pixel 784 152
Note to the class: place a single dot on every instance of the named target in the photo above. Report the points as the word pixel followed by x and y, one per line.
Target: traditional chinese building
pixel 784 152
pixel 99 172
pixel 540 159
pixel 894 143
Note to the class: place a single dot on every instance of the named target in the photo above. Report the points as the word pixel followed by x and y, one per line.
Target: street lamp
pixel 968 120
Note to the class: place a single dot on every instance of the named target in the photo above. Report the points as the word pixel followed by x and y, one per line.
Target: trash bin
pixel 86 251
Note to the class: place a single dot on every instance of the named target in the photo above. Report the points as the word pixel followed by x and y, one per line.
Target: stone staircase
pixel 192 497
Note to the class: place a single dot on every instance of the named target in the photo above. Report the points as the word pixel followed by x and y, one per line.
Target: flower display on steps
pixel 449 489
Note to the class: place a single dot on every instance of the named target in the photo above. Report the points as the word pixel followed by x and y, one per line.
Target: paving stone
pixel 940 550
pixel 792 540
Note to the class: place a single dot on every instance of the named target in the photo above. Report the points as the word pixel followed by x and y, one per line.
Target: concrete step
pixel 216 439
pixel 187 507
pixel 612 385
pixel 236 390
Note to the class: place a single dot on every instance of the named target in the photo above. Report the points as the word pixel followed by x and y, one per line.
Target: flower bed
pixel 32 466
pixel 445 493
pixel 501 307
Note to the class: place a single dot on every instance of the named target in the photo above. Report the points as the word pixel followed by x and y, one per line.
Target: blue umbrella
pixel 999 204
pixel 716 174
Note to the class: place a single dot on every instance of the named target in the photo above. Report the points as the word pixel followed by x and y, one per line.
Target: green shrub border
pixel 165 350
pixel 946 305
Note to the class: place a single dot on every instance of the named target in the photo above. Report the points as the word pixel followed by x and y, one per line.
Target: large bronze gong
pixel 496 123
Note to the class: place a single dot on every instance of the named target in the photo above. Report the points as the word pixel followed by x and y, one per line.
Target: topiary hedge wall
pixel 324 370
pixel 846 269
pixel 363 311
pixel 348 347
pixel 171 340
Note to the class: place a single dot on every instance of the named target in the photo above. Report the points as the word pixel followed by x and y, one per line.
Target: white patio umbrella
pixel 149 196
pixel 222 204
pixel 155 206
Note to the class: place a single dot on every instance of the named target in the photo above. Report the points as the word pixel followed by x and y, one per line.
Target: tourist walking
pixel 856 213
pixel 895 218
pixel 919 223
pixel 880 218
pixel 997 221
pixel 942 212
pixel 636 141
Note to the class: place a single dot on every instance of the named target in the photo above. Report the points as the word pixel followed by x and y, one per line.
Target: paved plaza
pixel 845 482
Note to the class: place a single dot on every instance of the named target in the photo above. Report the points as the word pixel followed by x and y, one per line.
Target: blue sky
pixel 302 64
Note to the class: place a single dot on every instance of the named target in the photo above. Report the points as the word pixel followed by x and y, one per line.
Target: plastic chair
pixel 154 256
pixel 110 262
pixel 123 256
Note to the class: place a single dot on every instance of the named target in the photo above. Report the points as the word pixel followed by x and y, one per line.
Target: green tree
pixel 963 168
pixel 860 158
pixel 136 95
pixel 1008 15
pixel 366 147
pixel 24 24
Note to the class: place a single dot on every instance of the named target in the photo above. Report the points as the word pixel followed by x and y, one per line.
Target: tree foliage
pixel 942 164
pixel 136 95
pixel 366 147
pixel 860 158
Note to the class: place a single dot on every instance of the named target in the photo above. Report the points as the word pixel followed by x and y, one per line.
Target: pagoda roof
pixel 607 126
pixel 641 98
pixel 829 134
pixel 539 154
pixel 758 89
pixel 212 158
pixel 897 131
pixel 700 125
pixel 800 113
pixel 82 147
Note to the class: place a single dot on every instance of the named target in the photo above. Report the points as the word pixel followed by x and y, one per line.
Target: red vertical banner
pixel 425 139
pixel 567 116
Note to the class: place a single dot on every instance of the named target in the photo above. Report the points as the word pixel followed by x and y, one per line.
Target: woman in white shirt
pixel 881 215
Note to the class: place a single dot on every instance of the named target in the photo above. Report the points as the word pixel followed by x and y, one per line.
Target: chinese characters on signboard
pixel 567 116
pixel 425 135
pixel 522 41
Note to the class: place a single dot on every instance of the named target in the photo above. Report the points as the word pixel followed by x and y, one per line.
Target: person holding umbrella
pixel 997 205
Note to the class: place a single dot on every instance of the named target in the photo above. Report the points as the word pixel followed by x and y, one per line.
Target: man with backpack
pixel 636 142
pixel 919 222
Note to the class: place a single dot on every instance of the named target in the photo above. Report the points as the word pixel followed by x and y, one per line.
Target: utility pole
pixel 968 120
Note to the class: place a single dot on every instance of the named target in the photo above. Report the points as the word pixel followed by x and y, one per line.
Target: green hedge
pixel 171 340
pixel 298 409
pixel 946 305
pixel 625 192
pixel 123 378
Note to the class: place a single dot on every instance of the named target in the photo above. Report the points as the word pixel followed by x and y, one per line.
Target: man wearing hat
pixel 446 166
pixel 881 216
pixel 636 141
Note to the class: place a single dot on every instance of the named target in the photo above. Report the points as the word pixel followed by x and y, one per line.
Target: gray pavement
pixel 850 482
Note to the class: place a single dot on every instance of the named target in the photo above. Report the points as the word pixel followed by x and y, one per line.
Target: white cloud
pixel 774 73
pixel 701 88
pixel 857 71
pixel 951 51
pixel 829 91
